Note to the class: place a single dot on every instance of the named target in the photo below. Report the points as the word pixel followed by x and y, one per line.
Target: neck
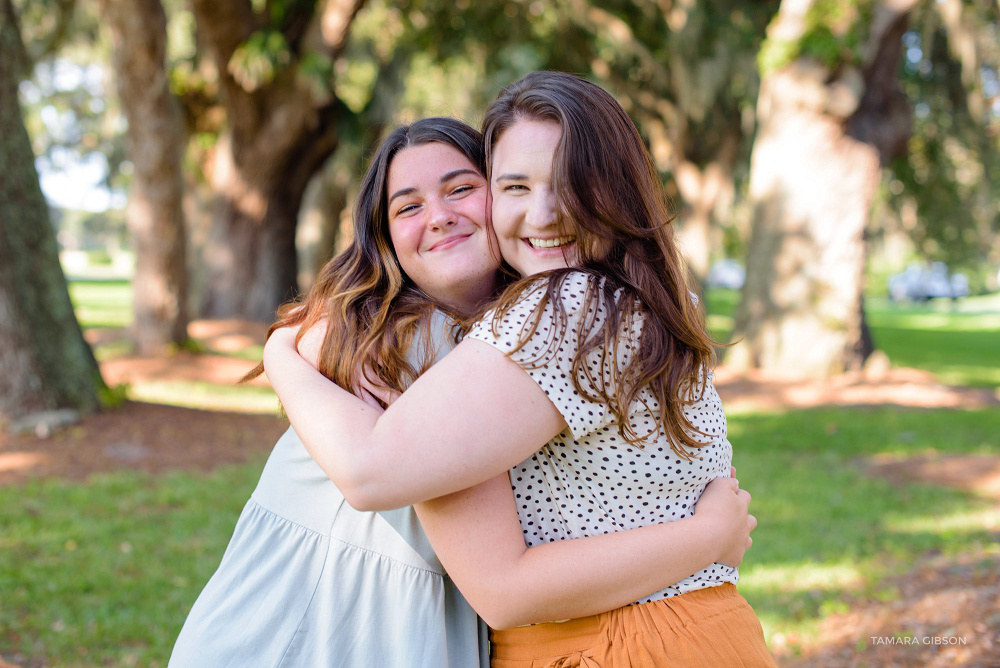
pixel 470 296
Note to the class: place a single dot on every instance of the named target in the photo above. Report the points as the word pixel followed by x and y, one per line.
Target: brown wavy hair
pixel 611 197
pixel 373 310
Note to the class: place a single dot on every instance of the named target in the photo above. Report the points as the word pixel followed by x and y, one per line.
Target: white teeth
pixel 550 243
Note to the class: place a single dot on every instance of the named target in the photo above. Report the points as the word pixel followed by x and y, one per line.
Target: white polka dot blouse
pixel 588 480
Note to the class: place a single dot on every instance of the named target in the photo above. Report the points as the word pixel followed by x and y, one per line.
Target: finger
pixel 732 471
pixel 369 398
pixel 730 483
pixel 751 522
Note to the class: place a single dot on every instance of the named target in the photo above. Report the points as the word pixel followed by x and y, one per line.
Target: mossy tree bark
pixel 45 363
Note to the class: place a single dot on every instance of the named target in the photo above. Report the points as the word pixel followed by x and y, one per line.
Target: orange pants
pixel 707 628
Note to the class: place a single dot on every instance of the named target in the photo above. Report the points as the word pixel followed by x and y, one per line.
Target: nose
pixel 543 209
pixel 440 214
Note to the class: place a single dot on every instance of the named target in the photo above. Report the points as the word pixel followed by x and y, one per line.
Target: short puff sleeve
pixel 549 351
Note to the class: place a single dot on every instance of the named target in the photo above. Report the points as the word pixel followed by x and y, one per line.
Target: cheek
pixel 502 220
pixel 477 209
pixel 405 241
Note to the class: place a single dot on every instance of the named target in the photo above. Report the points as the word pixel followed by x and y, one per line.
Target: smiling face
pixel 532 234
pixel 437 224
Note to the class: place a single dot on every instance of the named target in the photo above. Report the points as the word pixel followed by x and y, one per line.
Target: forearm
pixel 332 423
pixel 407 454
pixel 478 539
pixel 576 578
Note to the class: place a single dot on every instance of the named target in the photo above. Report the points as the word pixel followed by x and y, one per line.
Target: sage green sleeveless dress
pixel 309 582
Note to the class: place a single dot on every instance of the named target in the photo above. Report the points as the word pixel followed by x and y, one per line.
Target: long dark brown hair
pixel 611 197
pixel 373 310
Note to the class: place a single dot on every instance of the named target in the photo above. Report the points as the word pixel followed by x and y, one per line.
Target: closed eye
pixel 407 208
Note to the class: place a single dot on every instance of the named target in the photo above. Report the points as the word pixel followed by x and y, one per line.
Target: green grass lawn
pixel 104 572
pixel 959 343
pixel 102 303
pixel 827 530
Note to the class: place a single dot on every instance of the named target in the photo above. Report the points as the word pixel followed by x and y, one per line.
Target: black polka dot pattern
pixel 589 481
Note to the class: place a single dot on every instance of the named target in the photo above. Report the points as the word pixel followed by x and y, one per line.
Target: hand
pixel 370 399
pixel 311 344
pixel 374 390
pixel 727 508
pixel 280 343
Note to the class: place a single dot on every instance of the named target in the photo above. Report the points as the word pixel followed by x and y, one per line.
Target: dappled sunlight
pixel 983 519
pixel 21 461
pixel 208 396
pixel 139 437
pixel 977 473
pixel 800 577
pixel 936 614
pixel 228 336
pixel 757 391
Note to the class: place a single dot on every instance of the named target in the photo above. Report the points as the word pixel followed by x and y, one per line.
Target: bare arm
pixel 451 430
pixel 477 537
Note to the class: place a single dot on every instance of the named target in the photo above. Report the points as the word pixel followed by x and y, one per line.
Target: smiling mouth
pixel 447 243
pixel 547 244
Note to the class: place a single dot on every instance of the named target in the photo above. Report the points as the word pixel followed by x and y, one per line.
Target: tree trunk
pixel 45 363
pixel 821 139
pixel 703 189
pixel 251 253
pixel 279 135
pixel 322 228
pixel 155 147
pixel 251 258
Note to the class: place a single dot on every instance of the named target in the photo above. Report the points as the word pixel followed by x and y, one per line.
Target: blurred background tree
pixel 282 100
pixel 942 192
pixel 830 115
pixel 44 359
pixel 155 135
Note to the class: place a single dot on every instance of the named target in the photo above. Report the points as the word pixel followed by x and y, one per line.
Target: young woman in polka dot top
pixel 599 352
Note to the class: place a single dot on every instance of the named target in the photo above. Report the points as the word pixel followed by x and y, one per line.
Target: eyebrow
pixel 512 177
pixel 444 179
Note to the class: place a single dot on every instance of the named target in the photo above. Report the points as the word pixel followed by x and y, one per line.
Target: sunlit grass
pixel 191 394
pixel 828 530
pixel 108 304
pixel 971 520
pixel 961 346
pixel 102 303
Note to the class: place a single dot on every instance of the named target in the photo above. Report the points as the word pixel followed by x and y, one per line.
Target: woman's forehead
pixel 428 163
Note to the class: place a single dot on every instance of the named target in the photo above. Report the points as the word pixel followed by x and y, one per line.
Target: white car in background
pixel 921 283
pixel 728 274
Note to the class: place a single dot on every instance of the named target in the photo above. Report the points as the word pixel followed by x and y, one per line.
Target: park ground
pixel 940 600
